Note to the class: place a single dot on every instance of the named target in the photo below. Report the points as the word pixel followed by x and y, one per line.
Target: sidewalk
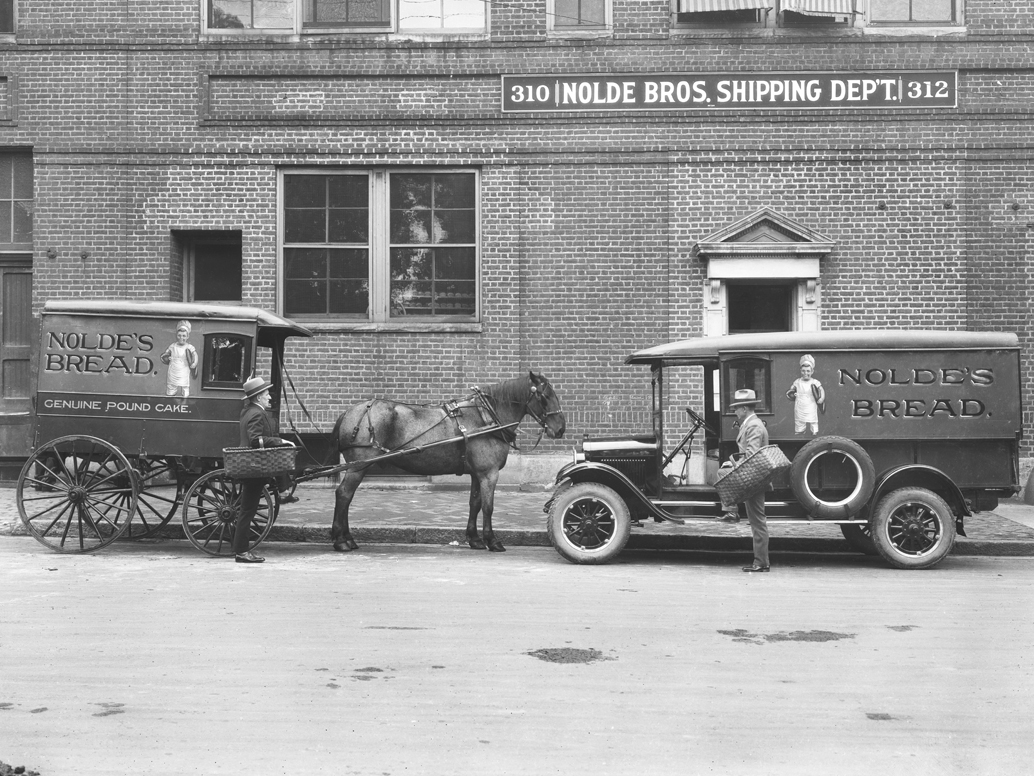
pixel 422 515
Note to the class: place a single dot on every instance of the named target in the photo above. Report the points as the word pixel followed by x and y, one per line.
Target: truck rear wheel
pixel 913 528
pixel 839 461
pixel 588 523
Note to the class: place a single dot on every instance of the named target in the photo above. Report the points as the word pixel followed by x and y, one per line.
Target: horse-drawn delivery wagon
pixel 895 436
pixel 138 413
pixel 135 403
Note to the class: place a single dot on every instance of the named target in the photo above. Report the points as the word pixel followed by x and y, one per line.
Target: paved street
pixel 416 659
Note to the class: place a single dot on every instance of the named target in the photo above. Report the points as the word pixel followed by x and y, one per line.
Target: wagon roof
pixel 700 348
pixel 119 308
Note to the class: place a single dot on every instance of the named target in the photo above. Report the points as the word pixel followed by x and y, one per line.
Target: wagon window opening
pixel 752 373
pixel 226 360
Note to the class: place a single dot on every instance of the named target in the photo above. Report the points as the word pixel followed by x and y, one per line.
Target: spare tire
pixel 832 477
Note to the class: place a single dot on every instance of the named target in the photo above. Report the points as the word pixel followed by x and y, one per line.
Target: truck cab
pixel 895 436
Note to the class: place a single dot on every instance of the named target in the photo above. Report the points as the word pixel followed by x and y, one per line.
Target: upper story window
pixel 6 16
pixel 719 14
pixel 16 201
pixel 912 12
pixel 380 245
pixel 408 16
pixel 578 15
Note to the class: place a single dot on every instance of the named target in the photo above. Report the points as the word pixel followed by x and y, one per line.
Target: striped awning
pixel 819 7
pixel 702 6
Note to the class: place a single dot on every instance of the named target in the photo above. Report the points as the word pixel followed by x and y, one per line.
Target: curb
pixel 434 535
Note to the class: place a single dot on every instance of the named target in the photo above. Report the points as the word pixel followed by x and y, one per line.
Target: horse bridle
pixel 539 417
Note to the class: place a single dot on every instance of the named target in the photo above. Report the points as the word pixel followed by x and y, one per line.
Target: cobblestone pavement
pixel 439 515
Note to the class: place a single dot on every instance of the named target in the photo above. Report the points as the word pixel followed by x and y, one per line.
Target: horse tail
pixel 334 451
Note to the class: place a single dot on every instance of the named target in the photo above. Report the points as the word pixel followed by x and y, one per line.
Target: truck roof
pixel 704 348
pixel 121 308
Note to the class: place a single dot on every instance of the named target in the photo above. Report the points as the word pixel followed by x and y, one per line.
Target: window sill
pixel 428 327
pixel 572 33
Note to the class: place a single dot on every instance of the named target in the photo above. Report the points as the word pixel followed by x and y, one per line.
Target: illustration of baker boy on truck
pixel 900 436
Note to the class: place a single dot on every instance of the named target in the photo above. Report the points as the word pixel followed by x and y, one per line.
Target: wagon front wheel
pixel 588 523
pixel 210 510
pixel 77 494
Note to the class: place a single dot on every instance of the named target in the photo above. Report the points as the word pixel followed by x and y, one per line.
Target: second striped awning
pixel 704 6
pixel 819 7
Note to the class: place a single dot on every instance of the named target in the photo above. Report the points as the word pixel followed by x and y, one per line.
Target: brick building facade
pixel 351 165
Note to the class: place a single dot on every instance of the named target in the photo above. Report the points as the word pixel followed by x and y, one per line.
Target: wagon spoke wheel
pixel 77 494
pixel 160 494
pixel 210 510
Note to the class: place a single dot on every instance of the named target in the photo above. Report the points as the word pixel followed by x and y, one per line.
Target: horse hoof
pixel 476 544
pixel 345 546
pixel 496 547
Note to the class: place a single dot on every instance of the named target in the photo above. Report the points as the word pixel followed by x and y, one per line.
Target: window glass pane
pixel 363 13
pixel 454 190
pixel 453 298
pixel 347 226
pixel 442 14
pixel 22 176
pixel 6 176
pixel 347 191
pixel 346 263
pixel 6 15
pixel 230 14
pixel 274 14
pixel 305 263
pixel 225 359
pixel 453 226
pixel 752 374
pixel 889 10
pixel 349 297
pixel 932 11
pixel 409 191
pixel 456 263
pixel 574 13
pixel 305 225
pixel 305 191
pixel 411 263
pixel 305 297
pixel 411 226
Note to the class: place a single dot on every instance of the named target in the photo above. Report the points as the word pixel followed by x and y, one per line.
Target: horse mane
pixel 514 390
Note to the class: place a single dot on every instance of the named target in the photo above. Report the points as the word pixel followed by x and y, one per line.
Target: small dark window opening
pixel 217 273
pixel 759 307
pixel 227 360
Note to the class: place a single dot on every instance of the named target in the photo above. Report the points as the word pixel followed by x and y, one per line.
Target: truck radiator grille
pixel 636 469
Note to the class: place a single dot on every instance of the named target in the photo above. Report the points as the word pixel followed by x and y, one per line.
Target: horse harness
pixel 453 409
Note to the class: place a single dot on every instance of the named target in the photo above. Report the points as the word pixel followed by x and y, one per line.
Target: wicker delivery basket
pixel 752 475
pixel 253 462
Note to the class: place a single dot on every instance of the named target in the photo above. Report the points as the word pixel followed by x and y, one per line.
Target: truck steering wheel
pixel 700 422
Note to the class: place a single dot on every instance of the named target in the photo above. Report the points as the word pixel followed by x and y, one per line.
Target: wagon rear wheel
pixel 77 494
pixel 210 509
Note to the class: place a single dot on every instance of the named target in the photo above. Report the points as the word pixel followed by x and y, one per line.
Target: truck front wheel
pixel 588 523
pixel 913 528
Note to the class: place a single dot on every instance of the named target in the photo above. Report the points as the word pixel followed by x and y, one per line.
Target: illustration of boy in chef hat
pixel 808 397
pixel 182 360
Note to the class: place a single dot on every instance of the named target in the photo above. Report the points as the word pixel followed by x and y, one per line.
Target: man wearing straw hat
pixel 256 431
pixel 752 437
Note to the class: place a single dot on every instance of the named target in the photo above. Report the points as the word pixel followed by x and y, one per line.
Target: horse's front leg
pixel 339 531
pixel 488 482
pixel 472 521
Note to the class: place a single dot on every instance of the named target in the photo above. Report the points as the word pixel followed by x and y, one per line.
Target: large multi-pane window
pixel 380 245
pixel 16 201
pixel 358 15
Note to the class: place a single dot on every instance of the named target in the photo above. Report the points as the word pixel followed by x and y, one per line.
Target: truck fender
pixel 603 474
pixel 922 476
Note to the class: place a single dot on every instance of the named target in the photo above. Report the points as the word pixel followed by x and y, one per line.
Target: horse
pixel 455 437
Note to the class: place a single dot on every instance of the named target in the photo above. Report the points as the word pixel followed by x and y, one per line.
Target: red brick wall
pixel 140 129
